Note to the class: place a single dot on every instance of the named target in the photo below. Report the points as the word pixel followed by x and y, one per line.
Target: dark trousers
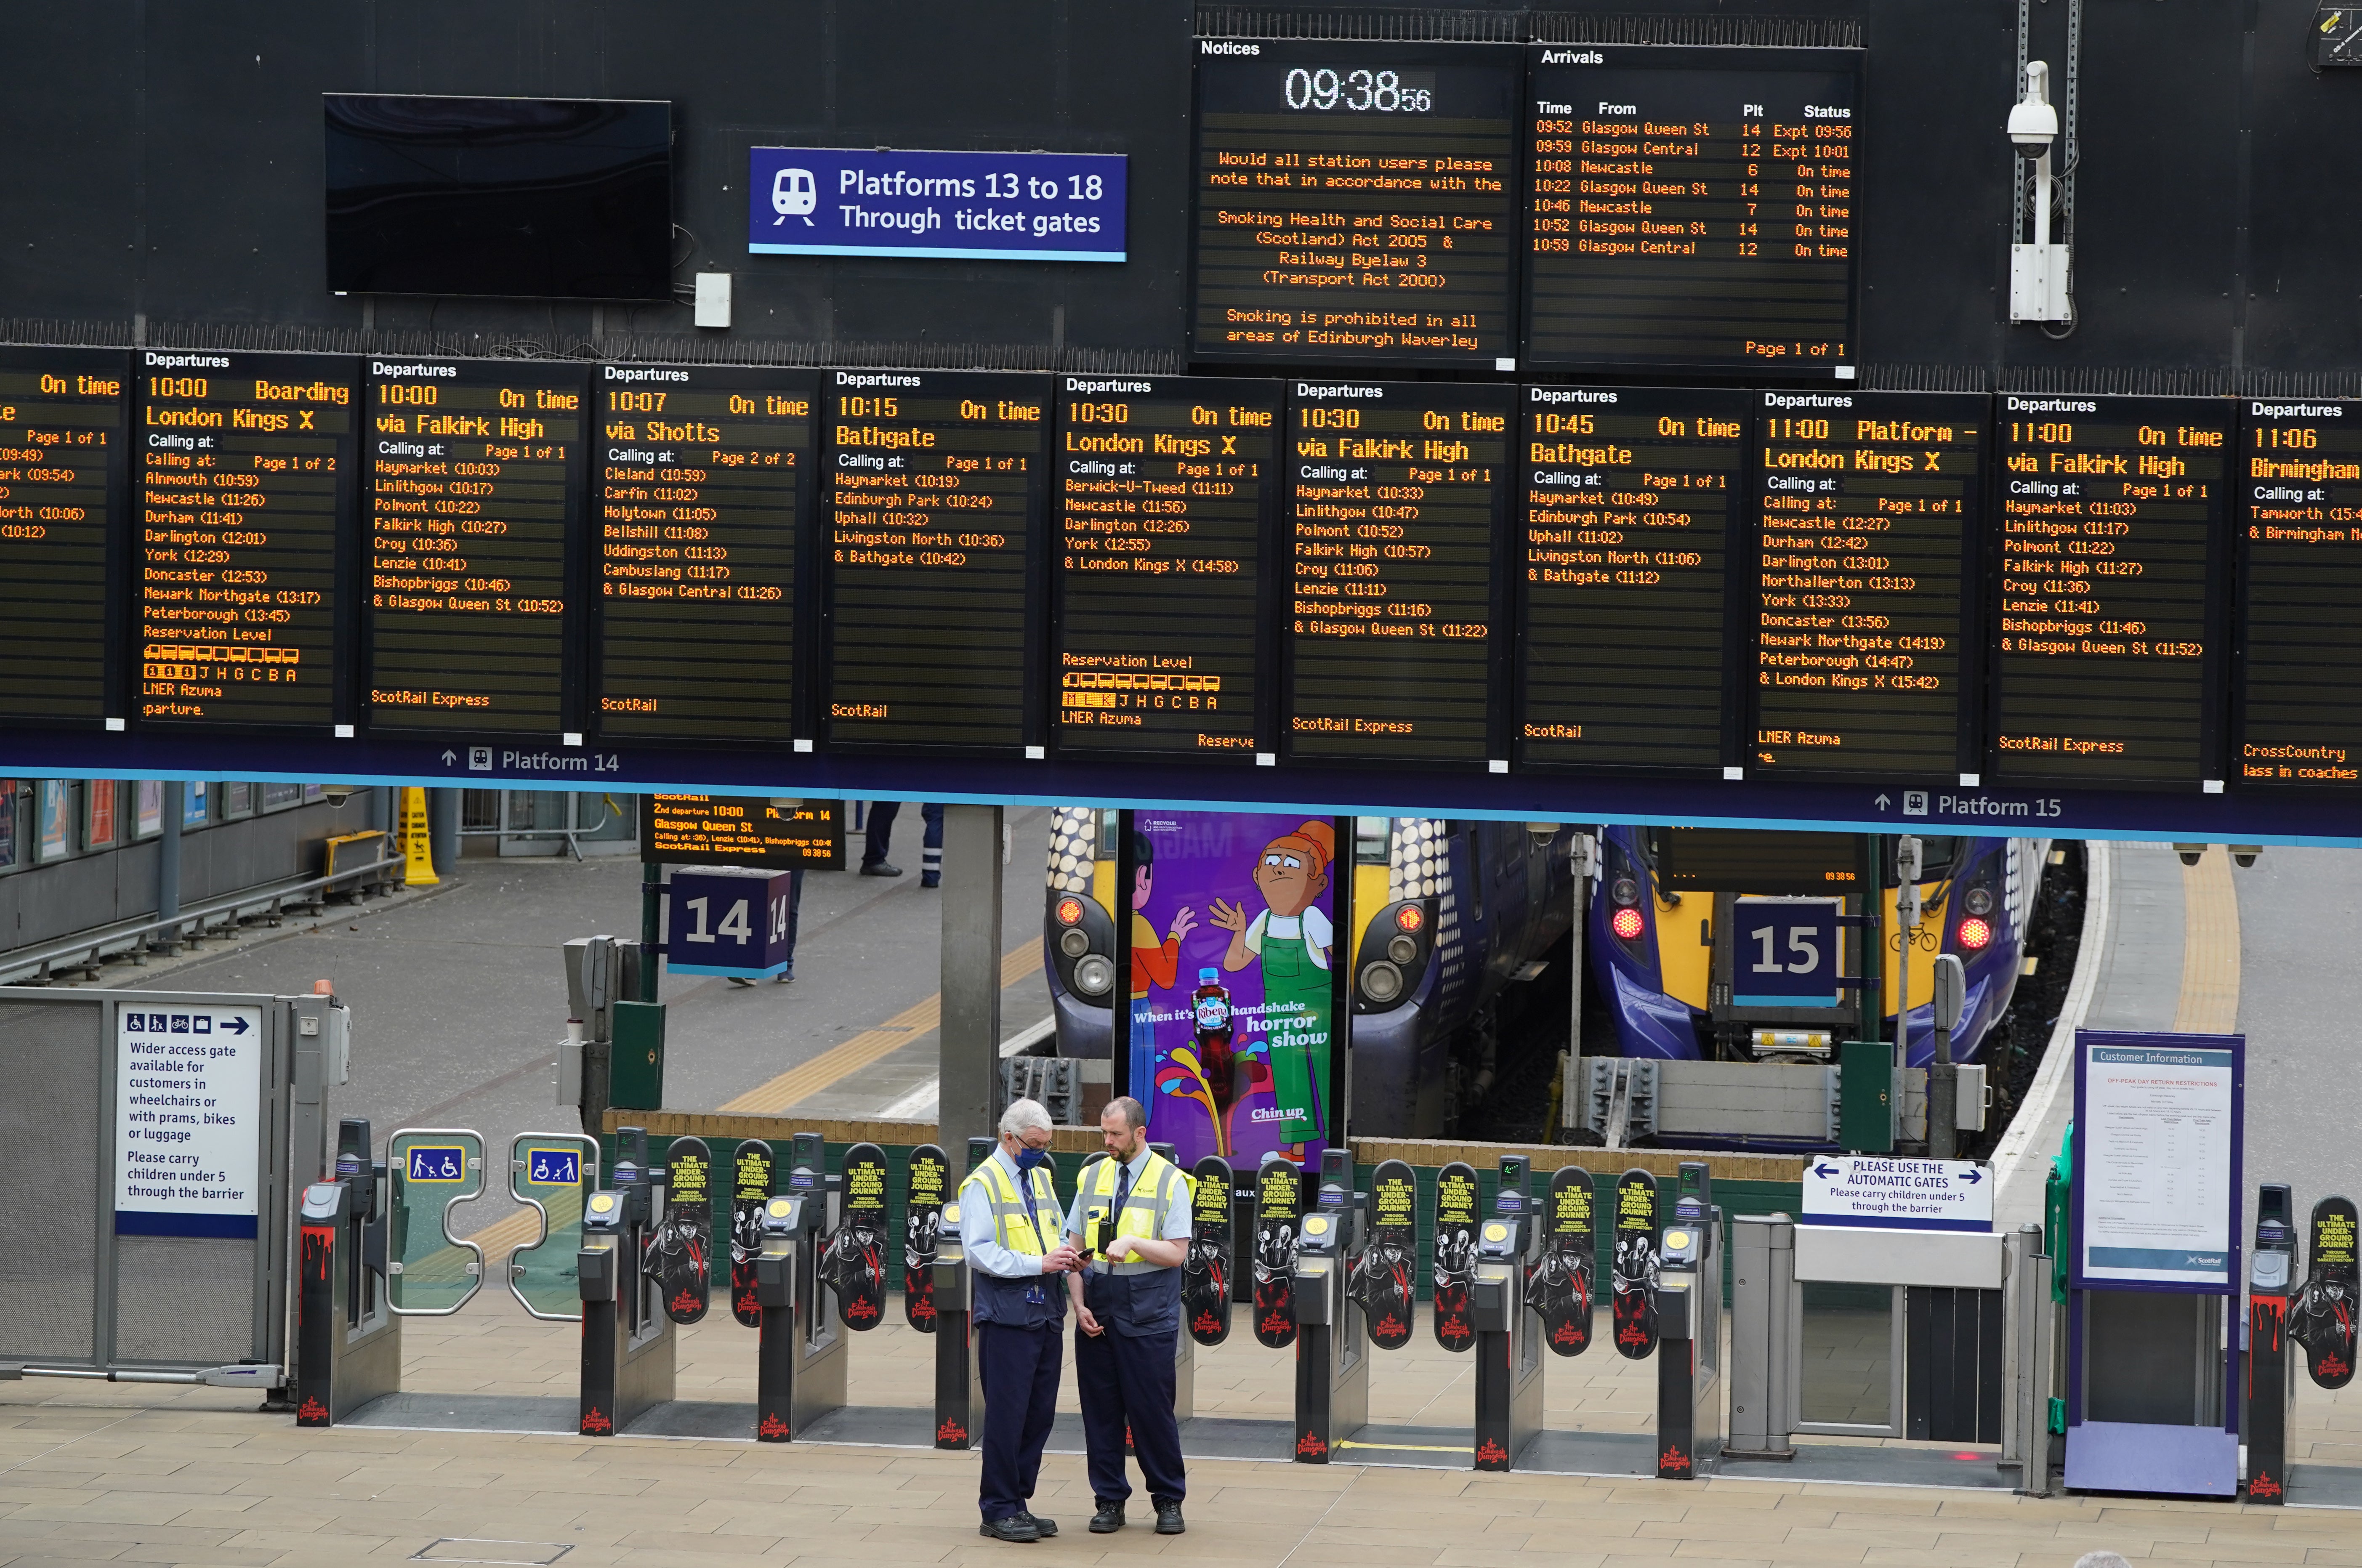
pixel 1020 1368
pixel 879 836
pixel 1128 1382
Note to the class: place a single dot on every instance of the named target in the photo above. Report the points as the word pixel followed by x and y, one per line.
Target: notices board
pixel 1900 1195
pixel 1355 202
pixel 2158 1145
pixel 188 1098
pixel 62 451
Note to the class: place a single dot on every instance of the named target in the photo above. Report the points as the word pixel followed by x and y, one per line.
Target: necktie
pixel 1122 1188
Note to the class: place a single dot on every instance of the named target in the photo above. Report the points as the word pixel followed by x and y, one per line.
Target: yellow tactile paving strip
pixel 2210 947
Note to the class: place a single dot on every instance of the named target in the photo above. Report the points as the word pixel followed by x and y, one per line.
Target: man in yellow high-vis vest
pixel 1131 1224
pixel 1008 1225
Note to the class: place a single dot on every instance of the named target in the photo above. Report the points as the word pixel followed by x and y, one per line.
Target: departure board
pixel 783 834
pixel 1692 206
pixel 1868 523
pixel 1356 202
pixel 1396 508
pixel 62 414
pixel 702 474
pixel 1165 492
pixel 1629 496
pixel 2110 562
pixel 474 496
pixel 246 475
pixel 936 482
pixel 2299 483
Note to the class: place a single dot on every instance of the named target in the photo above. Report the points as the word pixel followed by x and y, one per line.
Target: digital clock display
pixel 1355 202
pixel 1629 498
pixel 704 474
pixel 1165 488
pixel 1394 640
pixel 474 498
pixel 63 419
pixel 1868 527
pixel 246 474
pixel 1692 206
pixel 936 482
pixel 2110 598
pixel 2299 477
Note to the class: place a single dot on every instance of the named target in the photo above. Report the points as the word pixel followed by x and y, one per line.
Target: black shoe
pixel 930 879
pixel 1168 1520
pixel 738 981
pixel 1016 1527
pixel 881 869
pixel 1047 1527
pixel 1108 1520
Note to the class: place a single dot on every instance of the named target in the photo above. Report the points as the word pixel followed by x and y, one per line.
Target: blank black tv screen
pixel 544 198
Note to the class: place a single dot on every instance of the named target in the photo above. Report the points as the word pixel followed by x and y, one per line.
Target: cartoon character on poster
pixel 1290 940
pixel 1153 963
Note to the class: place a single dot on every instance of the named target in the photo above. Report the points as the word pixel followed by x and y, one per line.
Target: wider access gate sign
pixel 189 1087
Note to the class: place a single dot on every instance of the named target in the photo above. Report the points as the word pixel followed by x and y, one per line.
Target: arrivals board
pixel 1628 497
pixel 246 476
pixel 63 417
pixel 936 482
pixel 704 476
pixel 1398 503
pixel 474 495
pixel 2299 479
pixel 1868 531
pixel 1692 206
pixel 2110 587
pixel 1164 488
pixel 1356 202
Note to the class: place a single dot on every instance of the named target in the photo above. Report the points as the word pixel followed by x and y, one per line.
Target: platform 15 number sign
pixel 1785 953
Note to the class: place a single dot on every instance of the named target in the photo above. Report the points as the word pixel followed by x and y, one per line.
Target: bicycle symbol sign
pixel 438 1162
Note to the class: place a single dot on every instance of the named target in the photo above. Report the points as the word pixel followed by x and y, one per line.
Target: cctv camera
pixel 2191 853
pixel 2033 123
pixel 337 794
pixel 2243 856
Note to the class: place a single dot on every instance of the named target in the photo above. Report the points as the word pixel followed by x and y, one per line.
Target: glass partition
pixel 431 1273
pixel 551 1173
pixel 1849 1375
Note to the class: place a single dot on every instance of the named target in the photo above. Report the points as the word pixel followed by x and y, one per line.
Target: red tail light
pixel 1410 917
pixel 1976 934
pixel 1070 911
pixel 1628 924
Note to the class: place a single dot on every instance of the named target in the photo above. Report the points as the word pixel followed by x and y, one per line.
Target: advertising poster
pixel 1233 947
pixel 2156 1161
pixel 188 1091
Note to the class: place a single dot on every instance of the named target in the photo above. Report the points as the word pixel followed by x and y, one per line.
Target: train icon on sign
pixel 794 194
pixel 1915 803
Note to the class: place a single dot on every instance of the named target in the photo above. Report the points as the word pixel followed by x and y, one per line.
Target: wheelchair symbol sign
pixel 437 1162
pixel 553 1167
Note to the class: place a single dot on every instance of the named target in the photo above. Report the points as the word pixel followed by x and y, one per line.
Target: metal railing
pixel 87 951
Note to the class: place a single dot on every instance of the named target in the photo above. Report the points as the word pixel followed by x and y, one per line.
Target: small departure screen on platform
pixel 1165 487
pixel 1866 521
pixel 61 465
pixel 245 472
pixel 2111 519
pixel 1742 860
pixel 1356 202
pixel 1399 493
pixel 473 496
pixel 1629 495
pixel 783 833
pixel 935 481
pixel 702 473
pixel 1692 206
pixel 2300 484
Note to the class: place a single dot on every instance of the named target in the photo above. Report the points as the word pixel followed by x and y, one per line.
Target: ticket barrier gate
pixel 2271 1273
pixel 1509 1336
pixel 959 1380
pixel 1332 1351
pixel 799 1361
pixel 348 1339
pixel 628 1340
pixel 1689 1332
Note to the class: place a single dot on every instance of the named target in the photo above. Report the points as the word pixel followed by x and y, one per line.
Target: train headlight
pixel 1070 911
pixel 1073 943
pixel 1979 901
pixel 1976 934
pixel 1624 891
pixel 1401 949
pixel 1094 974
pixel 1381 982
pixel 1628 924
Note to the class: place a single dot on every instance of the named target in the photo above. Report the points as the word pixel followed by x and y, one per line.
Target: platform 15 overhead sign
pixel 992 206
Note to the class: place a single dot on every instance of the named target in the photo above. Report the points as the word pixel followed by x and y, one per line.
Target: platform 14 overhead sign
pixel 1904 1194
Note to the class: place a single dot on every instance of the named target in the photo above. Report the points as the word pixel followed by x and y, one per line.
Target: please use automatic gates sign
pixel 1903 1195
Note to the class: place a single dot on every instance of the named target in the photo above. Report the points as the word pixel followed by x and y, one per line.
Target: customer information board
pixel 704 476
pixel 1166 487
pixel 246 476
pixel 475 492
pixel 64 413
pixel 1356 202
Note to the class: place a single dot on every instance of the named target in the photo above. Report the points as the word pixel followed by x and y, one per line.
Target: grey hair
pixel 1023 1116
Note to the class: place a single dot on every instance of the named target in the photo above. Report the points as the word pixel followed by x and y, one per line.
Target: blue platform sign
pixel 989 207
pixel 728 920
pixel 1784 953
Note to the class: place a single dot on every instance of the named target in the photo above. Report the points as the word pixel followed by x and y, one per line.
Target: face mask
pixel 1033 1160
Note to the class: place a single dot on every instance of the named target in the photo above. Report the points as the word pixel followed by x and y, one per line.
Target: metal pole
pixel 651 927
pixel 443 830
pixel 969 1038
pixel 1581 851
pixel 168 862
